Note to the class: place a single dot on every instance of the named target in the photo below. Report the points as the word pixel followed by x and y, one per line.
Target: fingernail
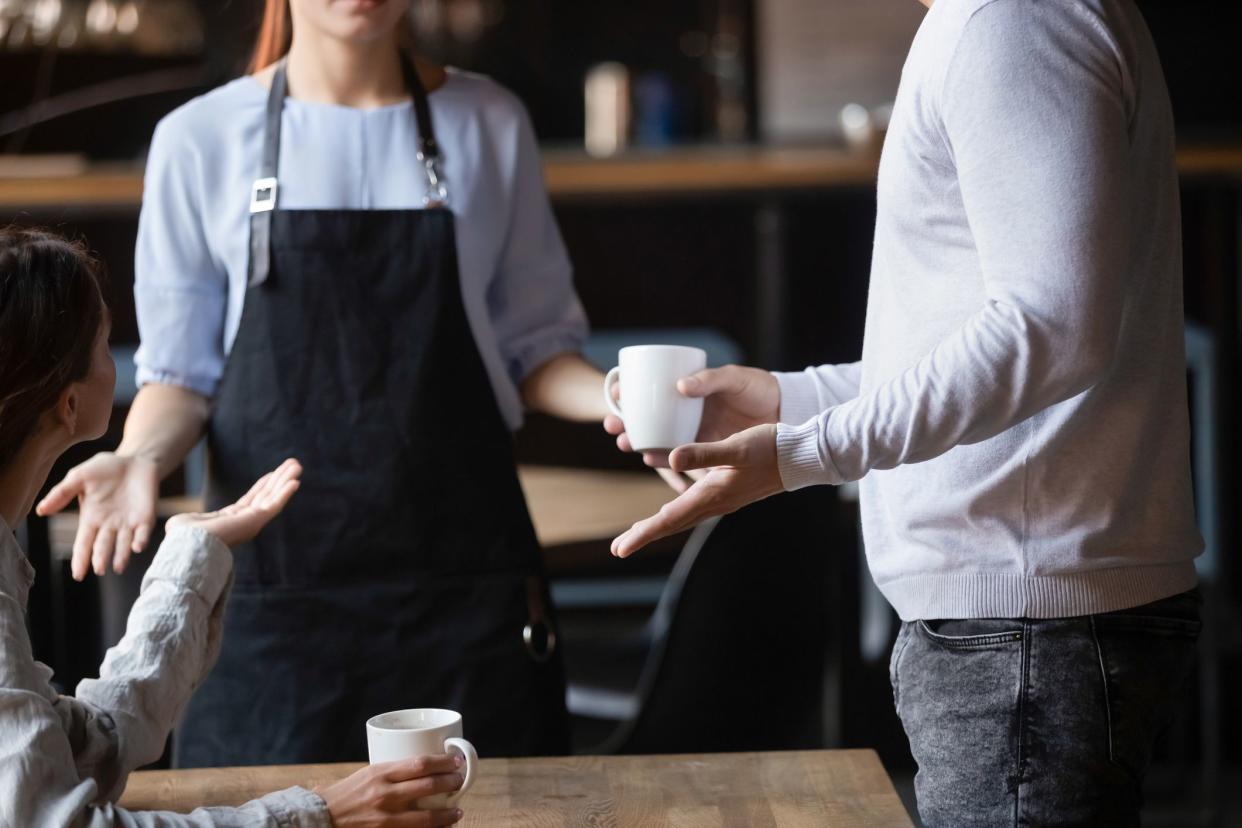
pixel 457 813
pixel 690 383
pixel 457 760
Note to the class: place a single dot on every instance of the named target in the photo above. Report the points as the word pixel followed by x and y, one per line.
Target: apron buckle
pixel 263 196
pixel 437 191
pixel 540 641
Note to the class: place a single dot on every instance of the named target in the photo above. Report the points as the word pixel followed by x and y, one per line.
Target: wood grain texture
pixel 796 788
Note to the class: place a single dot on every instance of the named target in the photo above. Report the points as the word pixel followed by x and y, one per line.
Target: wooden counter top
pixel 795 788
pixel 572 175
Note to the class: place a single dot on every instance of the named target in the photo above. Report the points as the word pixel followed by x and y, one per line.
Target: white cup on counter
pixel 656 415
pixel 422 731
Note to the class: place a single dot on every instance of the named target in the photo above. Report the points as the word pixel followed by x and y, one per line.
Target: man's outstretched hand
pixel 741 469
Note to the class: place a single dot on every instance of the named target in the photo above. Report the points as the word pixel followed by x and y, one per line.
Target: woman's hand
pixel 379 796
pixel 735 398
pixel 116 495
pixel 743 468
pixel 243 520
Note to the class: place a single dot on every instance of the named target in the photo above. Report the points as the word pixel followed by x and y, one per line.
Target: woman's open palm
pixel 243 520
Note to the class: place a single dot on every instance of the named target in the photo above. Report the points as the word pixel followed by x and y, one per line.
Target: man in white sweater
pixel 1018 421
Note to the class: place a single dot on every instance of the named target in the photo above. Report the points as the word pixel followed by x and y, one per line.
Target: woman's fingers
pixel 435 818
pixel 61 495
pixel 83 543
pixel 124 547
pixel 105 545
pixel 614 424
pixel 142 536
pixel 412 790
pixel 416 767
pixel 277 501
pixel 249 497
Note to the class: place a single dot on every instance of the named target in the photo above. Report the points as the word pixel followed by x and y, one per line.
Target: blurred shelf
pixel 572 175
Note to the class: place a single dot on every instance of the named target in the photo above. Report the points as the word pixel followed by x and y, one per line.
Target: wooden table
pixel 795 788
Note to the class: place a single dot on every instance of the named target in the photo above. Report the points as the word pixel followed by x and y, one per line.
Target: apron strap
pixel 428 149
pixel 263 195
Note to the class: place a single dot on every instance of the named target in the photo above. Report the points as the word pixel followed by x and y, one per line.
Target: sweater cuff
pixel 298 808
pixel 195 559
pixel 800 458
pixel 799 398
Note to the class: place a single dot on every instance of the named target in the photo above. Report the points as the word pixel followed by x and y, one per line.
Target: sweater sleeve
pixel 806 393
pixel 1035 109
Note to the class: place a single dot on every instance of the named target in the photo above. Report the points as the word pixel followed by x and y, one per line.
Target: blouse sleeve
pixel 180 288
pixel 532 302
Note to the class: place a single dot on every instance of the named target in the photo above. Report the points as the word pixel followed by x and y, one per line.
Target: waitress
pixel 348 256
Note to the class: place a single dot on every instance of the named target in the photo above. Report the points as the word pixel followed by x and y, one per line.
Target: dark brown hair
pixel 276 34
pixel 51 308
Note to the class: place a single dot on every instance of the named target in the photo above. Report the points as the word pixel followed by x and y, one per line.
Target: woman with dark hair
pixel 349 256
pixel 65 760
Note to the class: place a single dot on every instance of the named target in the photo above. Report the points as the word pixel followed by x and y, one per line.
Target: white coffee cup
pixel 422 731
pixel 656 414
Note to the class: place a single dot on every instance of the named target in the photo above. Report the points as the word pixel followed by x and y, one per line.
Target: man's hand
pixel 735 398
pixel 742 469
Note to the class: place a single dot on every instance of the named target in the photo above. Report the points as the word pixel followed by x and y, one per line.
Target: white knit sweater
pixel 1019 419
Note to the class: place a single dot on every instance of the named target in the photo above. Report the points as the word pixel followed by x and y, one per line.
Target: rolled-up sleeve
pixel 180 288
pixel 533 306
pixel 64 761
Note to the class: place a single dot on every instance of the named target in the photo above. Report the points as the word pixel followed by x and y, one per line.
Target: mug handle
pixel 461 746
pixel 608 400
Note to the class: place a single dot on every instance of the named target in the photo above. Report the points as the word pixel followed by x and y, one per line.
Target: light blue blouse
pixel 193 233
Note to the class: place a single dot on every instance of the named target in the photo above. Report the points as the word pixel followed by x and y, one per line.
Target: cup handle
pixel 467 752
pixel 608 381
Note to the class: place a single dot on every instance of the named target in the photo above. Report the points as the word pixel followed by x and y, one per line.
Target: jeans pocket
pixel 1145 656
pixel 971 634
pixel 894 664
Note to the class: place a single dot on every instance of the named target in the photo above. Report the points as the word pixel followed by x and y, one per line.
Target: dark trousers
pixel 1040 722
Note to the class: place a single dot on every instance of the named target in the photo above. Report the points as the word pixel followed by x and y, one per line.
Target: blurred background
pixel 712 166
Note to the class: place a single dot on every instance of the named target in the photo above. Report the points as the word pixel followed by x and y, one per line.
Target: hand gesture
pixel 741 469
pixel 116 497
pixel 243 520
pixel 735 398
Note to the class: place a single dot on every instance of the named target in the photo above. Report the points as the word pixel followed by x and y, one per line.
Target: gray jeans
pixel 1040 722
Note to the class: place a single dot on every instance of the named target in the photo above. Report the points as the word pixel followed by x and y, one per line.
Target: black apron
pixel 405 572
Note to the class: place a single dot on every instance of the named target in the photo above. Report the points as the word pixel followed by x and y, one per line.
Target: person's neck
pixel 21 480
pixel 324 70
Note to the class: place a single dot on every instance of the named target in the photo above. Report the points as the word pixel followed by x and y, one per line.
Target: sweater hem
pixel 1006 595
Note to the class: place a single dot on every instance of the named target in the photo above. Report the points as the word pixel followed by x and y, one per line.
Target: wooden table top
pixel 794 788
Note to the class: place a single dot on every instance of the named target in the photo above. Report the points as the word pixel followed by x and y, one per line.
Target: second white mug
pixel 655 413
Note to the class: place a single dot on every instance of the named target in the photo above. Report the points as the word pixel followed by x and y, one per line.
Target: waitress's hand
pixel 741 469
pixel 243 520
pixel 116 497
pixel 379 796
pixel 735 398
